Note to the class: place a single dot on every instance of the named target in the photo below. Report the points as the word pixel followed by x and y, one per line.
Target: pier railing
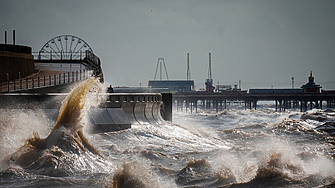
pixel 43 81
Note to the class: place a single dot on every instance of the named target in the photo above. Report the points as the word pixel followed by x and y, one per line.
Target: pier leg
pixel 186 106
pixel 177 104
pixel 284 105
pixel 255 104
pixel 276 104
pixel 191 106
pixel 221 105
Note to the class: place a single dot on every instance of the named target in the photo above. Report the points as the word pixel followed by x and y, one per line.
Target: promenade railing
pixel 44 81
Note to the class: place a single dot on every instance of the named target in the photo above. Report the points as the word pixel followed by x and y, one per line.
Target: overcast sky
pixel 260 42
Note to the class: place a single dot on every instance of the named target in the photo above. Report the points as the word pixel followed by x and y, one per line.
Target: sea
pixel 235 147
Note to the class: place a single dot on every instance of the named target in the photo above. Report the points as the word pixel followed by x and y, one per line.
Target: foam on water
pixel 233 148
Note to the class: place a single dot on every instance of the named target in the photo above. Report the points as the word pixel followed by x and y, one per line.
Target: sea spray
pixel 66 138
pixel 17 126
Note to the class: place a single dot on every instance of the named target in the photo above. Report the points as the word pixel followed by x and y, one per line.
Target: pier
pixel 309 97
pixel 282 101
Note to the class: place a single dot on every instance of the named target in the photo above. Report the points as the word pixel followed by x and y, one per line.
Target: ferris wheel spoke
pixel 74 49
pixel 56 47
pixel 66 54
pixel 80 48
pixel 54 52
pixel 72 39
pixel 61 44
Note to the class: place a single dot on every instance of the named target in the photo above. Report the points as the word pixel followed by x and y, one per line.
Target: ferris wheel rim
pixel 59 39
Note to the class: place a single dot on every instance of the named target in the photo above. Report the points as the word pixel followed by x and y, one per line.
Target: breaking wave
pixel 65 151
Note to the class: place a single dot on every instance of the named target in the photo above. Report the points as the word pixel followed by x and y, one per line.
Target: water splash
pixel 67 134
pixel 134 174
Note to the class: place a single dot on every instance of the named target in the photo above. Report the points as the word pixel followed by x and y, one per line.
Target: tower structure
pixel 209 80
pixel 160 64
pixel 188 74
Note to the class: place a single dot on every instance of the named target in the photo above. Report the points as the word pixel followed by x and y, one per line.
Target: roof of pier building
pixel 310 86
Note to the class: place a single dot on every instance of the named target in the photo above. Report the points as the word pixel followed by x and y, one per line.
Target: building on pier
pixel 311 87
pixel 173 86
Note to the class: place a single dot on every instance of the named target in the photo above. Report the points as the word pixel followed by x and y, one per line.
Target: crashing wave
pixel 65 150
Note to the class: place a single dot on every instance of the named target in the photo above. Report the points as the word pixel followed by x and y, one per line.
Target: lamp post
pixel 292 84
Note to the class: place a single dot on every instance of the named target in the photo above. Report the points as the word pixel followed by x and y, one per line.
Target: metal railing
pixel 61 55
pixel 69 55
pixel 45 81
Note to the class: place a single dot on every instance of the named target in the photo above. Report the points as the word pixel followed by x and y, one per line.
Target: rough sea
pixel 231 148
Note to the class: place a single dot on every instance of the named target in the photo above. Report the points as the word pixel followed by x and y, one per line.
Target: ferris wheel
pixel 64 47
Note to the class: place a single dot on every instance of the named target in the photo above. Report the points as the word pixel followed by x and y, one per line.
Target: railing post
pixel 72 76
pixel 68 77
pixel 44 80
pixel 49 80
pixel 8 80
pixel 54 79
pixel 59 78
pixel 64 77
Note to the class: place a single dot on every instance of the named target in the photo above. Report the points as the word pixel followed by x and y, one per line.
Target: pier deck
pixel 282 100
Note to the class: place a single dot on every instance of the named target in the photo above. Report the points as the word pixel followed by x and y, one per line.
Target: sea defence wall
pixel 119 111
pixel 142 108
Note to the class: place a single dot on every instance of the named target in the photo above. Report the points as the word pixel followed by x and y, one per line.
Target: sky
pixel 263 43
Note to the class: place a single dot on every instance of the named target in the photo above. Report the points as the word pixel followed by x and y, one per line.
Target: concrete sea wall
pixel 118 112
